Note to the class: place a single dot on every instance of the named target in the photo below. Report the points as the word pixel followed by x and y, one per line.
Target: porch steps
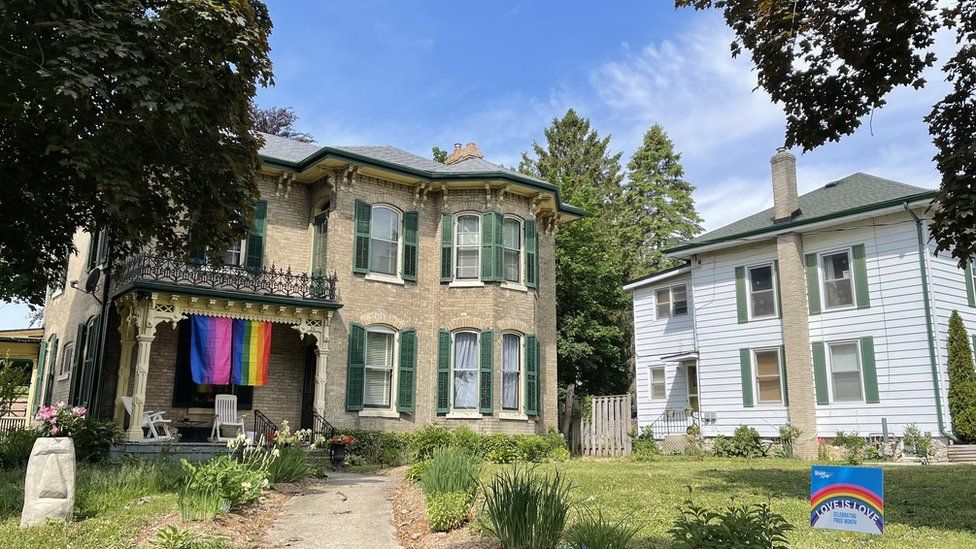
pixel 962 453
pixel 674 444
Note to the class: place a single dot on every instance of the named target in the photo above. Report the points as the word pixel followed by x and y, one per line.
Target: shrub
pixel 500 449
pixel 377 447
pixel 854 446
pixel 962 380
pixel 916 443
pixel 466 439
pixel 788 436
pixel 288 464
pixel 534 448
pixel 735 526
pixel 559 454
pixel 16 446
pixel 451 470
pixel 424 441
pixel 526 510
pixel 234 482
pixel 595 530
pixel 745 442
pixel 93 438
pixel 645 447
pixel 175 537
pixel 416 471
pixel 447 510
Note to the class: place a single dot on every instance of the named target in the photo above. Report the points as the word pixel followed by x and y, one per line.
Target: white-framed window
pixel 380 342
pixel 838 281
pixel 234 256
pixel 511 371
pixel 762 290
pixel 384 240
pixel 67 359
pixel 671 301
pixel 467 246
pixel 465 374
pixel 512 242
pixel 657 384
pixel 769 382
pixel 845 371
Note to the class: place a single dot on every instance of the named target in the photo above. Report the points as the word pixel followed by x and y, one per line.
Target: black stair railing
pixel 321 426
pixel 263 428
pixel 672 422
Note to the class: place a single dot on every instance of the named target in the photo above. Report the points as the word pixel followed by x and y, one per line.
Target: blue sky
pixel 417 74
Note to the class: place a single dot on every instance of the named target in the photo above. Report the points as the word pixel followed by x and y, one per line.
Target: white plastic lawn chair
pixel 225 415
pixel 152 421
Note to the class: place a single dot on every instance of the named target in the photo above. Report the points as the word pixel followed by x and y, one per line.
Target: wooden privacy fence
pixel 606 432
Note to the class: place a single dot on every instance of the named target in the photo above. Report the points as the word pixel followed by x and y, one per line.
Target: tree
pixel 278 121
pixel 131 116
pixel 656 210
pixel 591 336
pixel 832 63
pixel 962 380
pixel 439 154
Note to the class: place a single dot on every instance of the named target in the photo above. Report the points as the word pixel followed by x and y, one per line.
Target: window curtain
pixel 379 368
pixel 465 371
pixel 510 372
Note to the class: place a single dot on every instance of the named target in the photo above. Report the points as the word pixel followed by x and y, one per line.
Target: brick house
pixel 401 292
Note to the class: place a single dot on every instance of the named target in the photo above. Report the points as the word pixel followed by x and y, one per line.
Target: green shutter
pixel 779 295
pixel 531 376
pixel 861 290
pixel 406 373
pixel 499 248
pixel 783 379
pixel 254 256
pixel 78 359
pixel 447 247
pixel 88 370
pixel 443 372
pixel 970 290
pixel 532 255
pixel 741 296
pixel 487 360
pixel 92 250
pixel 745 370
pixel 196 254
pixel 813 284
pixel 488 247
pixel 41 363
pixel 410 222
pixel 820 372
pixel 869 370
pixel 103 247
pixel 52 371
pixel 356 371
pixel 361 245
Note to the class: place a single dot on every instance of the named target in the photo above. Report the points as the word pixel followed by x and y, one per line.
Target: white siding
pixel 655 338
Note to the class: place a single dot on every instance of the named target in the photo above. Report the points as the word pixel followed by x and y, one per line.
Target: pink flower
pixel 78 411
pixel 54 431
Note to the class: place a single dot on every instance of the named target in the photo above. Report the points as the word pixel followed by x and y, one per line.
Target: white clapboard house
pixel 828 311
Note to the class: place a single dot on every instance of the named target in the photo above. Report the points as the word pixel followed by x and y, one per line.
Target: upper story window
pixel 657 384
pixel 67 359
pixel 468 247
pixel 465 384
pixel 234 255
pixel 845 371
pixel 512 241
pixel 671 301
pixel 97 249
pixel 768 380
pixel 384 240
pixel 379 367
pixel 838 286
pixel 762 291
pixel 320 242
pixel 511 371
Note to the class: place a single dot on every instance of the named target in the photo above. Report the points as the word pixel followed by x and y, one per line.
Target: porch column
pixel 127 331
pixel 134 433
pixel 321 361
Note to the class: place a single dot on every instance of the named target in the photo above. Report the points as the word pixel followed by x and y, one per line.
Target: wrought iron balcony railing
pixel 270 282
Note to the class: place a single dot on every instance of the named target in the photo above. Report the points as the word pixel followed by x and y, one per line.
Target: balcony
pixel 272 285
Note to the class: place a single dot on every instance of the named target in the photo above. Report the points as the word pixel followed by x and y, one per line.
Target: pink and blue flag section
pixel 226 351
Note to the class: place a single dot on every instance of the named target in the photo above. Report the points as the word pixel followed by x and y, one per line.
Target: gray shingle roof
pixel 286 149
pixel 855 191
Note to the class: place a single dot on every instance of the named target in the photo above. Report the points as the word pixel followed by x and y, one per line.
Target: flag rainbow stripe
pixel 251 351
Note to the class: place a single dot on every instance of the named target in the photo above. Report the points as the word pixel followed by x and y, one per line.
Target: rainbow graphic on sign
pixel 847 498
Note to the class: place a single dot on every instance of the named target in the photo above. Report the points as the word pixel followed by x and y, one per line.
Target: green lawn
pixel 931 506
pixel 112 502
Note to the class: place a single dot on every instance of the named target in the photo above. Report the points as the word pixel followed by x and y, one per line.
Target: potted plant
pixel 337 448
pixel 49 486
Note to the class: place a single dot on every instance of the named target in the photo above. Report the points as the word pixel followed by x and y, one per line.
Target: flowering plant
pixel 344 440
pixel 284 436
pixel 60 420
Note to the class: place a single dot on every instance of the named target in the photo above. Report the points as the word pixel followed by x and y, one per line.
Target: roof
pixel 295 155
pixel 659 276
pixel 856 193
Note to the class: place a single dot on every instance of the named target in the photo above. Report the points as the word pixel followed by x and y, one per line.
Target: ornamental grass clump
pixel 451 470
pixel 524 509
pixel 447 510
pixel 593 530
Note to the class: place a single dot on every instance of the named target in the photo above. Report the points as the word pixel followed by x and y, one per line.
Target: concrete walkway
pixel 347 511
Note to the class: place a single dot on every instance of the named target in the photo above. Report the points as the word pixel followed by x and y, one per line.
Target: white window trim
pixel 520 407
pixel 467 283
pixel 650 383
pixel 830 370
pixel 520 284
pixel 755 377
pixel 688 382
pixel 65 373
pixel 670 290
pixel 456 413
pixel 775 278
pixel 457 281
pixel 849 250
pixel 376 276
pixel 383 411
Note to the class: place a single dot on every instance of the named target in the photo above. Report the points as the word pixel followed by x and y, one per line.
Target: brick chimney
pixel 460 154
pixel 785 204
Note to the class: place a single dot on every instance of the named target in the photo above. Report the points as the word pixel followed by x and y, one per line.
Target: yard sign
pixel 847 498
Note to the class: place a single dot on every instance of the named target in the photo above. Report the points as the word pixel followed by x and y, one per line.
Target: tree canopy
pixel 129 115
pixel 832 63
pixel 278 121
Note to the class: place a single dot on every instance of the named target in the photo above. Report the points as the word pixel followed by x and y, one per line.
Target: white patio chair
pixel 154 422
pixel 225 415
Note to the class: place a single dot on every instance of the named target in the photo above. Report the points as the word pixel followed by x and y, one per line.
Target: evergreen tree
pixel 592 338
pixel 962 381
pixel 656 210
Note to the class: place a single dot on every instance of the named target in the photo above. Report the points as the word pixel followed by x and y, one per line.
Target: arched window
pixel 511 371
pixel 320 237
pixel 379 367
pixel 466 370
pixel 468 247
pixel 384 239
pixel 512 241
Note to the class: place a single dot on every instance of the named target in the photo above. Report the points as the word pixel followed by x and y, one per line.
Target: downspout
pixel 928 324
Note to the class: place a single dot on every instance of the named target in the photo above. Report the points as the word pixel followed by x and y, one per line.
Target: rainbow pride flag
pixel 225 351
